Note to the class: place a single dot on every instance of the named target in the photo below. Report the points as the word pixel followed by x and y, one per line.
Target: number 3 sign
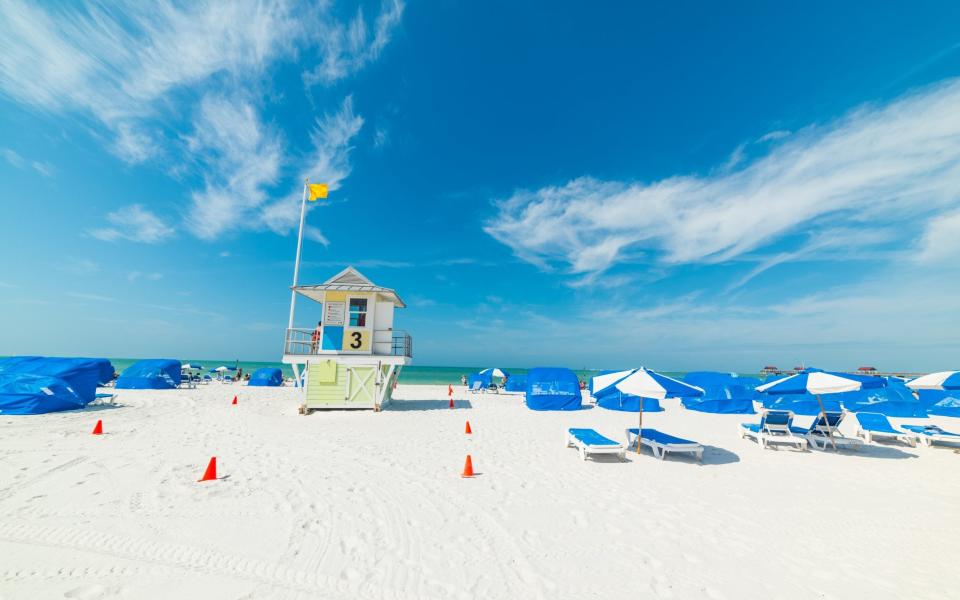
pixel 356 340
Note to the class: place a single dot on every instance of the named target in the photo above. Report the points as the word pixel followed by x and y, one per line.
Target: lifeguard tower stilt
pixel 353 358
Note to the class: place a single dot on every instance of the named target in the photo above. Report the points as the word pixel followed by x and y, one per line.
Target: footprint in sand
pixel 87 592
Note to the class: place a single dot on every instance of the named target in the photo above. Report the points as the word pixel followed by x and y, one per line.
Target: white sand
pixel 365 505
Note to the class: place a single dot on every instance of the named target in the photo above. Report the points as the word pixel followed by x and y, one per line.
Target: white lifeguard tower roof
pixel 349 280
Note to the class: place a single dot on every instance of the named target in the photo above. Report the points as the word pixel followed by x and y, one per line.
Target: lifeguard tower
pixel 353 357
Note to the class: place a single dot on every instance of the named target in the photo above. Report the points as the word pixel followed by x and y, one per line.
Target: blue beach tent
pixel 895 400
pixel 484 378
pixel 943 403
pixel 151 374
pixel 613 399
pixel 552 388
pixel 266 377
pixel 515 383
pixel 724 399
pixel 801 404
pixel 83 375
pixel 28 394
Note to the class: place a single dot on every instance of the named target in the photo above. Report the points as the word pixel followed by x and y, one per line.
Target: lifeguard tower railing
pixel 386 342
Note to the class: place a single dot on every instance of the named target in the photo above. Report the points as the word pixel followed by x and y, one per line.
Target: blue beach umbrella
pixel 817 383
pixel 944 403
pixel 650 384
pixel 495 372
pixel 943 380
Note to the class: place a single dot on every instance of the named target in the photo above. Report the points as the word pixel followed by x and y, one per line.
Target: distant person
pixel 239 373
pixel 463 380
pixel 315 338
pixel 583 384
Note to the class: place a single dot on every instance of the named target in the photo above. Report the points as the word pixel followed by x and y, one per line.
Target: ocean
pixel 411 374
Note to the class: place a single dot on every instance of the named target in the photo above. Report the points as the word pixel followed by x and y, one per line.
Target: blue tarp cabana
pixel 515 383
pixel 83 375
pixel 552 388
pixel 150 374
pixel 266 377
pixel 943 403
pixel 895 400
pixel 485 379
pixel 29 394
pixel 727 399
pixel 801 404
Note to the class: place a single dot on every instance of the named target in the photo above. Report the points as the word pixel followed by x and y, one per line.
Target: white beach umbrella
pixel 602 382
pixel 818 382
pixel 495 371
pixel 943 380
pixel 650 384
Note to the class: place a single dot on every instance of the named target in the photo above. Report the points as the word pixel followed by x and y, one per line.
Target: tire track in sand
pixel 190 558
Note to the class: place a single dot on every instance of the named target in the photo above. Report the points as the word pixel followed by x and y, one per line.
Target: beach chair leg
pixel 583 453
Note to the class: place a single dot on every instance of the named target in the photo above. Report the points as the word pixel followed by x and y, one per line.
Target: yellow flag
pixel 317 190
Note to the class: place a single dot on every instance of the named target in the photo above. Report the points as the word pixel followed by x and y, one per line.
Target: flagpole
pixel 296 262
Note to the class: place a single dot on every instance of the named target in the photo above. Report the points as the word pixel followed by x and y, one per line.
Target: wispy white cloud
pixel 380 137
pixel 870 168
pixel 19 162
pixel 136 224
pixel 843 242
pixel 348 47
pixel 778 134
pixel 241 157
pixel 117 63
pixel 133 276
pixel 14 159
pixel 941 239
pixel 134 70
pixel 329 162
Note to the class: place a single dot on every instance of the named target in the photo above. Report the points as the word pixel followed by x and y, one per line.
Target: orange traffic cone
pixel 211 473
pixel 467 468
pixel 468 430
pixel 98 428
pixel 234 400
pixel 451 401
pixel 449 390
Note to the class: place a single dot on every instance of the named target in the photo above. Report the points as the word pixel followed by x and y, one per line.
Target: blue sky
pixel 683 186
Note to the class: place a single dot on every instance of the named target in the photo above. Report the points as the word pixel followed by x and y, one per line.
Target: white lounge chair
pixel 820 430
pixel 588 442
pixel 476 386
pixel 773 428
pixel 875 425
pixel 930 434
pixel 660 443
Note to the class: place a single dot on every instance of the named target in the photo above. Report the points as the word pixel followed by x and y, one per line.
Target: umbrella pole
pixel 826 422
pixel 640 429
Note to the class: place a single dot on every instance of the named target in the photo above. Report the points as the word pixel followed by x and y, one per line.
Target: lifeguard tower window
pixel 358 312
